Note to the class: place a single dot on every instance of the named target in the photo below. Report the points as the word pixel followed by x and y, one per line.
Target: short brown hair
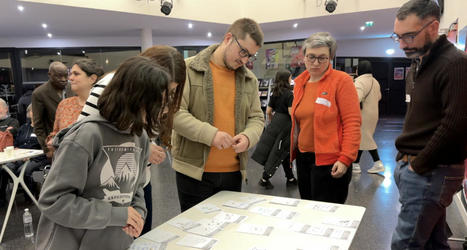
pixel 244 26
pixel 421 8
pixel 138 85
pixel 172 61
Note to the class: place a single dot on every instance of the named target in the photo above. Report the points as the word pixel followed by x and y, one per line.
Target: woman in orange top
pixel 83 75
pixel 325 124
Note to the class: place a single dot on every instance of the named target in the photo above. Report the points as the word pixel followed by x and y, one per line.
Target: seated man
pixel 7 122
pixel 25 138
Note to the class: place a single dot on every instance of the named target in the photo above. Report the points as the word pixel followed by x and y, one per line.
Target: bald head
pixel 58 74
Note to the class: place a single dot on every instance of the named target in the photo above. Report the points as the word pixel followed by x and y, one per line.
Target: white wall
pixel 368 48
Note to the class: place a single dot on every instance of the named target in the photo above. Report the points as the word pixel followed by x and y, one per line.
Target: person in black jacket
pixel 25 138
pixel 273 146
pixel 433 144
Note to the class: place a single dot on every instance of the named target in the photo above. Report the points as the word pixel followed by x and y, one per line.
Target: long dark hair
pixel 281 82
pixel 138 85
pixel 172 61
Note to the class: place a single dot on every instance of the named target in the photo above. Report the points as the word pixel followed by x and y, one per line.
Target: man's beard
pixel 416 52
pixel 224 59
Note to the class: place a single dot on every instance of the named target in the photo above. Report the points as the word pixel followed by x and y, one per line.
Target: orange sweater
pixel 336 118
pixel 224 160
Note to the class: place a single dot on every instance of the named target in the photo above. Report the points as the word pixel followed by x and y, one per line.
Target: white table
pixel 292 233
pixel 17 155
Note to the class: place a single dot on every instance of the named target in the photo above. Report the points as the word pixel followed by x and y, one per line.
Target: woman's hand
pixel 134 223
pixel 157 154
pixel 338 170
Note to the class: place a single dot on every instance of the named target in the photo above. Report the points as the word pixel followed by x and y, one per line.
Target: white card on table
pixel 147 246
pixel 196 241
pixel 207 227
pixel 284 214
pixel 267 211
pixel 323 207
pixel 207 208
pixel 160 236
pixel 285 201
pixel 341 222
pixel 183 223
pixel 236 204
pixel 254 229
pixel 229 217
pixel 340 234
pixel 319 231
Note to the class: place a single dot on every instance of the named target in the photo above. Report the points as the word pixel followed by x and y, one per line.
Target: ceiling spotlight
pixel 362 28
pixel 295 25
pixel 209 34
pixel 190 25
pixel 166 6
pixel 49 35
pixel 330 5
pixel 390 51
pixel 20 8
pixel 82 51
pixel 44 25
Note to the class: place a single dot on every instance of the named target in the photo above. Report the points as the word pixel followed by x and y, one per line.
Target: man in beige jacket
pixel 220 116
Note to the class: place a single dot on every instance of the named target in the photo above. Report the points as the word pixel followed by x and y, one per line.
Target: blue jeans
pixel 424 198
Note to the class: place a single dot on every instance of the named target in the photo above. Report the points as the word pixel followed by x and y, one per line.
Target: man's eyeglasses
pixel 244 52
pixel 312 58
pixel 409 37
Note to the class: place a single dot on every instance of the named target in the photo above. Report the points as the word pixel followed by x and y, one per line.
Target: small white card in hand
pixel 207 227
pixel 236 204
pixel 254 229
pixel 229 217
pixel 323 207
pixel 183 223
pixel 160 236
pixel 267 211
pixel 319 231
pixel 340 234
pixel 285 201
pixel 147 246
pixel 284 214
pixel 207 208
pixel 341 222
pixel 196 241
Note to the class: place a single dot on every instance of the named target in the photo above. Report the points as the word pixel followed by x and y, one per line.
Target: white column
pixel 146 38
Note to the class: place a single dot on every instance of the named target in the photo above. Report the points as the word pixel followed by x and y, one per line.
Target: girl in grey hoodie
pixel 93 196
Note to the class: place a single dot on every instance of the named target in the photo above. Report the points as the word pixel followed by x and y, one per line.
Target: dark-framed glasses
pixel 244 52
pixel 312 58
pixel 409 37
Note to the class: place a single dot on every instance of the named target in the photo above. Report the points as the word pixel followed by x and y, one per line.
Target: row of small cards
pixel 244 203
pixel 206 227
pixel 317 230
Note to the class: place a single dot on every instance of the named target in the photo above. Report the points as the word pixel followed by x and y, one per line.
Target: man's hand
pixel 241 143
pixel 222 140
pixel 134 223
pixel 157 154
pixel 338 170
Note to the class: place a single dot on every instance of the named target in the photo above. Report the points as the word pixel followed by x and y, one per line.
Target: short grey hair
pixel 3 103
pixel 319 40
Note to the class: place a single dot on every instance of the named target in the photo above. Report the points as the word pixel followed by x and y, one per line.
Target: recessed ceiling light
pixel 82 51
pixel 390 51
pixel 362 28
pixel 190 25
pixel 49 35
pixel 44 25
pixel 20 8
pixel 209 34
pixel 295 25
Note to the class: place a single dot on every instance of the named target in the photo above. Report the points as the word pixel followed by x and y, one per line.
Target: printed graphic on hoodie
pixel 120 172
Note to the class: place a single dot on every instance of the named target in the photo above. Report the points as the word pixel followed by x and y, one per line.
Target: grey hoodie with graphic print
pixel 97 173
